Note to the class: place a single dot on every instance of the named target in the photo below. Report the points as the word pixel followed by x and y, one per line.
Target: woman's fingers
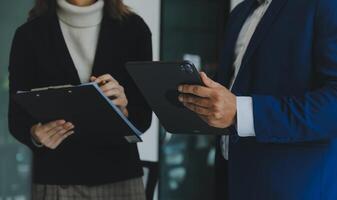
pixel 48 135
pixel 53 133
pixel 112 89
pixel 110 86
pixel 58 138
pixel 52 139
pixel 49 126
pixel 56 129
pixel 116 93
pixel 38 131
pixel 62 138
pixel 120 102
pixel 105 78
pixel 93 78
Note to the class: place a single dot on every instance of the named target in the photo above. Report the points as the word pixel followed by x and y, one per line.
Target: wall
pixel 15 158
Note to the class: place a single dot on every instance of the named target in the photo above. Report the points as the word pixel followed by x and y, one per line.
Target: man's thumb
pixel 207 81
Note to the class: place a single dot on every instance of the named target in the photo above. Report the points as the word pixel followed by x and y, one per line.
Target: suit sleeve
pixel 140 113
pixel 311 116
pixel 21 77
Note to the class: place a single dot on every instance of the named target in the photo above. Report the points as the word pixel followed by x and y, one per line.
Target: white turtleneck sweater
pixel 80 28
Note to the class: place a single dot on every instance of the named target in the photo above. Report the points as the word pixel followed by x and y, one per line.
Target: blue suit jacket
pixel 290 70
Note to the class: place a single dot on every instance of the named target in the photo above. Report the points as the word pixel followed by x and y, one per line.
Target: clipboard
pixel 158 82
pixel 85 106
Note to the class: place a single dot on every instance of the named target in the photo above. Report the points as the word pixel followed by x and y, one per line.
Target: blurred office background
pixel 180 166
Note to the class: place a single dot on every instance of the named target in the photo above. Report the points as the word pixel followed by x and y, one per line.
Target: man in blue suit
pixel 276 92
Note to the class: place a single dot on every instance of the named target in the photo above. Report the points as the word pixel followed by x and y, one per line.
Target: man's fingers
pixel 198 90
pixel 208 121
pixel 197 109
pixel 195 89
pixel 203 102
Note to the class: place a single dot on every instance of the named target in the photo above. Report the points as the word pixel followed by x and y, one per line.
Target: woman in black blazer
pixel 52 48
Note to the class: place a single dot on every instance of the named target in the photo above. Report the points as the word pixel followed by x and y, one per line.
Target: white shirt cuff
pixel 245 117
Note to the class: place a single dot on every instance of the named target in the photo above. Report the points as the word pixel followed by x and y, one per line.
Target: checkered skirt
pixel 126 190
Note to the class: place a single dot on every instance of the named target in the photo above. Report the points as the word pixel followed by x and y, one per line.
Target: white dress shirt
pixel 245 116
pixel 80 28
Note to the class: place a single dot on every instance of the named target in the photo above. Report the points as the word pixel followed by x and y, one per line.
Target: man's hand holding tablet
pixel 214 103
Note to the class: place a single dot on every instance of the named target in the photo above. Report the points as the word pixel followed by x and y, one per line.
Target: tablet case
pixel 85 106
pixel 158 82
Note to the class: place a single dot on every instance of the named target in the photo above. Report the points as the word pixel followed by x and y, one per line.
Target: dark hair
pixel 113 8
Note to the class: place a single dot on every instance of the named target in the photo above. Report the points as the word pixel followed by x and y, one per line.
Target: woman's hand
pixel 52 134
pixel 113 90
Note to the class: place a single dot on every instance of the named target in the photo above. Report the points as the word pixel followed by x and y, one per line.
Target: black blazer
pixel 39 58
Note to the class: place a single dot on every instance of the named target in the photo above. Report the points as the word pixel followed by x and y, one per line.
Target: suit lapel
pixel 233 29
pixel 260 33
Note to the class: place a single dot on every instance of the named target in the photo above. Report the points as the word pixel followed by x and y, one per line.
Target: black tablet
pixel 158 82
